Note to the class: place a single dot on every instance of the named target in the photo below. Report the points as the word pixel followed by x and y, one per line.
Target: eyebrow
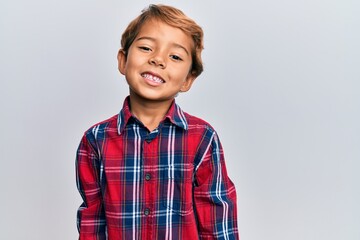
pixel 154 40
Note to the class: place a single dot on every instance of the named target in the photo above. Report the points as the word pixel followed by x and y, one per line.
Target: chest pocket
pixel 177 188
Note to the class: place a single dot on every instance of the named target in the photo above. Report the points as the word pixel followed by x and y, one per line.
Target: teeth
pixel 152 78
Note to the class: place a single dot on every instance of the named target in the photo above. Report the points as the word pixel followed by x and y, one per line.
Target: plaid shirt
pixel 170 183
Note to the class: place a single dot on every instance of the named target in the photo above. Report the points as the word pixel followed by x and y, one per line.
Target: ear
pixel 121 61
pixel 188 83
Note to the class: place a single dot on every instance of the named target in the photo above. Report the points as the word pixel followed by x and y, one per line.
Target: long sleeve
pixel 90 218
pixel 215 195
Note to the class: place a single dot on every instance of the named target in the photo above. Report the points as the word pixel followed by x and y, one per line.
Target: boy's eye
pixel 147 49
pixel 175 57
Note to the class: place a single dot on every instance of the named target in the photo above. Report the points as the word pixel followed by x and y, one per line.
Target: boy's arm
pixel 90 217
pixel 215 196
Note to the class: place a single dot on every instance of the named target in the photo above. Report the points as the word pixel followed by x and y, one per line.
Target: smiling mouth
pixel 152 78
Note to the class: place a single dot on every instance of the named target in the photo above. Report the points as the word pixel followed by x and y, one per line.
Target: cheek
pixel 181 71
pixel 130 64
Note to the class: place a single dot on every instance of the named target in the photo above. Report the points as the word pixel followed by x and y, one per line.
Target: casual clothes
pixel 170 183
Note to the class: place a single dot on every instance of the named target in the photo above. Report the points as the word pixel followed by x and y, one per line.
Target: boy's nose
pixel 157 61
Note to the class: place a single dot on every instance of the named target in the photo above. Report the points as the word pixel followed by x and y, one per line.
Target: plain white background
pixel 281 86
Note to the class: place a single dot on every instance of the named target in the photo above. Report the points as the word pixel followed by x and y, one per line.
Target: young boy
pixel 153 171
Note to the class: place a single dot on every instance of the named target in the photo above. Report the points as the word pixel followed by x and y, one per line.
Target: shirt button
pixel 147 212
pixel 147 176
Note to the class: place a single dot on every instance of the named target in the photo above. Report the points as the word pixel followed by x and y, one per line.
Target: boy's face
pixel 158 62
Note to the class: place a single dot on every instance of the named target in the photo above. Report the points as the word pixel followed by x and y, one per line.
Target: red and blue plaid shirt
pixel 170 183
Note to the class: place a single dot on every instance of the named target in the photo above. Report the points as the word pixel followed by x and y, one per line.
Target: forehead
pixel 164 33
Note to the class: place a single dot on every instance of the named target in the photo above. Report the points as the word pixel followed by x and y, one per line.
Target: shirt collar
pixel 175 115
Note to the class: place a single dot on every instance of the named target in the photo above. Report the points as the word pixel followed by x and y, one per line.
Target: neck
pixel 150 113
